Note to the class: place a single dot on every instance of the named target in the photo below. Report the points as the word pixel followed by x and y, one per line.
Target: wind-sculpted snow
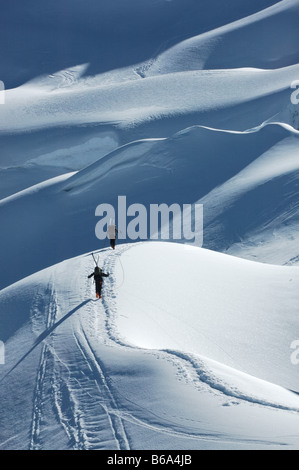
pixel 157 102
pixel 218 98
pixel 266 40
pixel 78 107
pixel 44 38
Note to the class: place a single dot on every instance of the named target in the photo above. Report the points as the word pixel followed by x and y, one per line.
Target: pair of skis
pixel 96 262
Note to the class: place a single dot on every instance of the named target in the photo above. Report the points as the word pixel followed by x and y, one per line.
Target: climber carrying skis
pixel 112 234
pixel 98 275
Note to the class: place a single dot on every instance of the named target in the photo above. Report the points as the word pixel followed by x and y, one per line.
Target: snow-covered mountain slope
pixel 268 39
pixel 42 38
pixel 181 101
pixel 74 121
pixel 144 368
pixel 96 117
pixel 219 96
pixel 30 158
pixel 247 182
pixel 77 103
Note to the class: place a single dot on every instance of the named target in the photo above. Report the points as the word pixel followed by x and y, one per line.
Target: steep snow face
pixel 128 372
pixel 270 186
pixel 30 158
pixel 267 39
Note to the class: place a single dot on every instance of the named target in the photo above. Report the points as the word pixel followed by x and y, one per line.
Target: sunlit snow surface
pixel 162 102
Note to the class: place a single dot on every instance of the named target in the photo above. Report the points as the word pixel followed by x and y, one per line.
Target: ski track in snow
pixel 116 416
pixel 39 389
pixel 189 366
pixel 207 377
pixel 108 302
pixel 115 421
pixel 85 386
pixel 105 398
pixel 82 394
pixel 47 377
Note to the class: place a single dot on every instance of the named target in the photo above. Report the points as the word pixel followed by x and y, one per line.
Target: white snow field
pixel 169 101
pixel 187 349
